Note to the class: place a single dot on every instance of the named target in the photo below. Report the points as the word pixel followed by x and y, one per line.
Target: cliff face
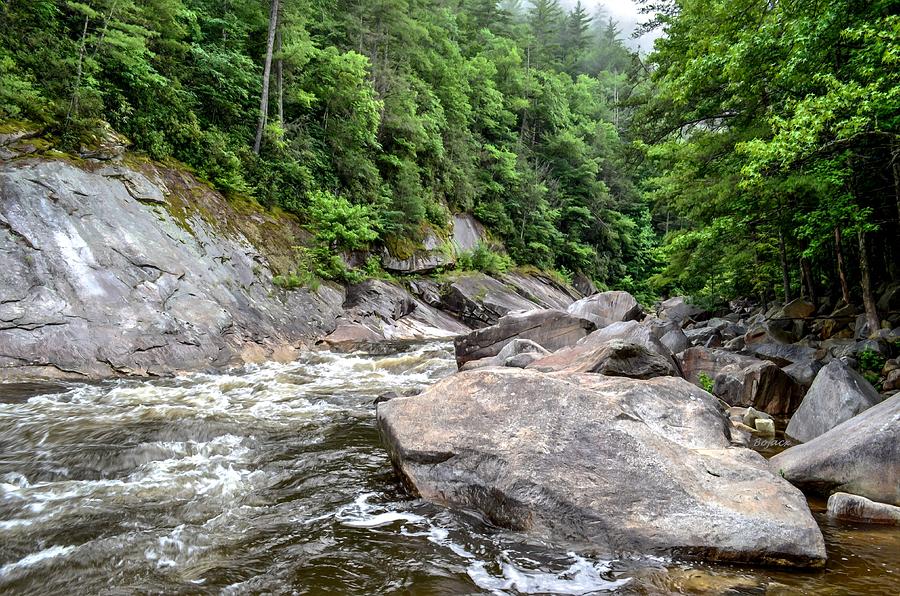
pixel 107 269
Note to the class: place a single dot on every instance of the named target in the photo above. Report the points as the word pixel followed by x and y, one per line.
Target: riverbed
pixel 272 479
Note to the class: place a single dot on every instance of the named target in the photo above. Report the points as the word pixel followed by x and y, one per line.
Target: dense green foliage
pixel 764 135
pixel 773 136
pixel 383 114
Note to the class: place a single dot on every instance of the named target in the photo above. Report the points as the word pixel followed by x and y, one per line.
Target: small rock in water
pixel 765 427
pixel 856 508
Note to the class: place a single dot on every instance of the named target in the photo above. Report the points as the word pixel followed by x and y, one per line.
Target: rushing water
pixel 271 479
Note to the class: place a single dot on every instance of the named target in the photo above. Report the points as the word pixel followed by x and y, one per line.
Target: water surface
pixel 272 479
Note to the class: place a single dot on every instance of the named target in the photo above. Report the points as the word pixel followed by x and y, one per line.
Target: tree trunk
pixel 866 282
pixel 806 273
pixel 279 76
pixel 267 72
pixel 842 272
pixel 785 271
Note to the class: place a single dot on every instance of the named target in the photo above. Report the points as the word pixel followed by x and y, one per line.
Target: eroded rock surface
pixel 612 464
pixel 105 272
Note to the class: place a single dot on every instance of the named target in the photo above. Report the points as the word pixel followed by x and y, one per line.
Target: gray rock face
pixel 611 464
pixel 606 308
pixel 468 232
pixel 838 394
pixel 804 372
pixel 678 309
pixel 860 456
pixel 743 380
pixel 377 311
pixel 551 329
pixel 479 300
pixel 541 289
pixel 432 254
pixel 98 278
pixel 615 358
pixel 860 509
pixel 676 341
pixel 630 332
pixel 701 336
pixel 518 353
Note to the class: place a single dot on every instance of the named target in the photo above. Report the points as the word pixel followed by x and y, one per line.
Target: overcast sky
pixel 626 13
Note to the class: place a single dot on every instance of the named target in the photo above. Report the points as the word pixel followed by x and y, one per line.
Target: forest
pixel 753 153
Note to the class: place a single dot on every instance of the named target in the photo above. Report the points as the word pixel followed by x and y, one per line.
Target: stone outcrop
pixel 468 233
pixel 551 329
pixel 743 380
pixel 611 464
pixel 376 311
pixel 108 270
pixel 479 300
pixel 518 353
pixel 607 308
pixel 860 456
pixel 860 509
pixel 615 358
pixel 678 309
pixel 431 253
pixel 839 393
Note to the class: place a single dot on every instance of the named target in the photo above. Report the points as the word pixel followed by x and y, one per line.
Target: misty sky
pixel 626 13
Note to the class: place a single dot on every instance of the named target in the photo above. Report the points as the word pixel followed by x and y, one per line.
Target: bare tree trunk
pixel 866 282
pixel 267 72
pixel 842 272
pixel 785 271
pixel 73 105
pixel 806 272
pixel 279 75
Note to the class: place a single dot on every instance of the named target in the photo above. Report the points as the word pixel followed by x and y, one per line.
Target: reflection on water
pixel 272 479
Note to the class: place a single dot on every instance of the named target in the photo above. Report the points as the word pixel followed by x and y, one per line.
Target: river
pixel 271 479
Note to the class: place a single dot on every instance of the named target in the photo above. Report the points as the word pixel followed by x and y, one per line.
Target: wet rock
pixel 615 358
pixel 678 309
pixel 551 329
pixel 479 300
pixel 743 380
pixel 606 308
pixel 611 464
pixel 838 394
pixel 860 456
pixel 351 337
pixel 860 509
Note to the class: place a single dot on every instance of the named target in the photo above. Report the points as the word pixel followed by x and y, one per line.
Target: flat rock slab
pixel 609 464
pixel 860 456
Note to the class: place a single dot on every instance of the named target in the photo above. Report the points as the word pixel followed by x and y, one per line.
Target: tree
pixel 267 68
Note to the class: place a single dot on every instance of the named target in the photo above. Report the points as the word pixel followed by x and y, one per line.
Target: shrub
pixel 483 259
pixel 706 382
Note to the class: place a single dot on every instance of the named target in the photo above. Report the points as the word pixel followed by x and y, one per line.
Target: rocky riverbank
pixel 650 452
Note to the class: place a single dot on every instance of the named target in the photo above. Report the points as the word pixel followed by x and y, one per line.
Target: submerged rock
pixel 838 394
pixel 860 456
pixel 612 464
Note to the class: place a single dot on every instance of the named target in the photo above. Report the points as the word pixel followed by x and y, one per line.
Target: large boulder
pixel 615 358
pixel 743 380
pixel 606 308
pixel 590 348
pixel 838 394
pixel 518 353
pixel 675 340
pixel 860 456
pixel 480 300
pixel 611 464
pixel 678 309
pixel 551 329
